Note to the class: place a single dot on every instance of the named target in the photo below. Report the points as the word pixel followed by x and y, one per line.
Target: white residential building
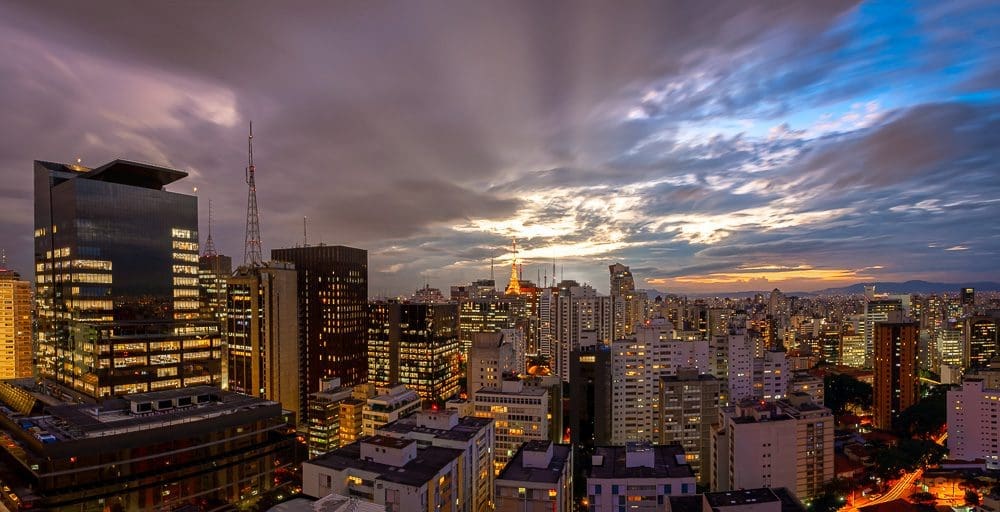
pixel 973 429
pixel 446 429
pixel 636 366
pixel 788 443
pixel 521 413
pixel 390 405
pixel 639 474
pixel 389 471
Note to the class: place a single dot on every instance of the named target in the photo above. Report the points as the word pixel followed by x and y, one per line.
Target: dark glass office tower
pixel 117 281
pixel 333 296
pixel 415 344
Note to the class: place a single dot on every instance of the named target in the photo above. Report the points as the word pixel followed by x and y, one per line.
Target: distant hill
pixel 922 287
pixel 909 287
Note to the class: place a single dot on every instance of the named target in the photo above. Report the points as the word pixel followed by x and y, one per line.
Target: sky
pixel 711 146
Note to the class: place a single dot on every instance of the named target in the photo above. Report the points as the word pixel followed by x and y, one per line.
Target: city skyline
pixel 738 147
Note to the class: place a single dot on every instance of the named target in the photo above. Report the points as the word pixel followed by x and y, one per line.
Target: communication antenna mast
pixel 251 248
pixel 305 235
pixel 209 243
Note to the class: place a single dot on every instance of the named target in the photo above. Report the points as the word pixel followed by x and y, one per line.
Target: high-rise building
pixel 951 347
pixel 263 357
pixel 770 376
pixel 896 383
pixel 416 345
pixel 474 436
pixel 973 429
pixel 637 365
pixel 968 298
pixel 739 380
pixel 624 298
pixel 213 272
pixel 521 413
pixel 876 311
pixel 333 297
pixel 590 396
pixel 580 312
pixel 491 357
pixel 539 478
pixel 117 291
pixel 689 406
pixel 196 447
pixel 398 473
pixel 788 443
pixel 15 326
pixel 980 340
pixel 487 315
pixel 639 474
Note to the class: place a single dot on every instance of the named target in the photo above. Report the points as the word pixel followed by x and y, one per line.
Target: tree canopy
pixel 841 391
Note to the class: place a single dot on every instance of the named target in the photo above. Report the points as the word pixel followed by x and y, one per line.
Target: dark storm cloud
pixel 430 132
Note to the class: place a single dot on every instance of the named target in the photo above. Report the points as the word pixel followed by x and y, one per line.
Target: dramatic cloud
pixel 714 146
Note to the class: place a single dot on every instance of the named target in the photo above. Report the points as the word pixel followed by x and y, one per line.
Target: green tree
pixel 841 391
pixel 926 417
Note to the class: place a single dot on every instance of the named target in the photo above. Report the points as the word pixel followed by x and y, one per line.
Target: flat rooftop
pixel 467 429
pixel 516 472
pixel 389 442
pixel 665 464
pixel 415 473
pixel 68 422
pixel 741 497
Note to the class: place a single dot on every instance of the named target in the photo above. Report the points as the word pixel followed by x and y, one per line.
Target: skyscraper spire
pixel 251 250
pixel 210 251
pixel 514 286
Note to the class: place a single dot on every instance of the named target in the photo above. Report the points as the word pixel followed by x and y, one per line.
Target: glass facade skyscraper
pixel 117 294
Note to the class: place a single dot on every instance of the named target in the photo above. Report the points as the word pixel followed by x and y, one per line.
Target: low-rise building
pixel 539 478
pixel 152 451
pixel 390 405
pixel 392 472
pixel 639 474
pixel 446 429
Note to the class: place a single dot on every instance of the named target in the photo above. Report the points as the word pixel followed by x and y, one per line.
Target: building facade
pixel 333 296
pixel 15 326
pixel 390 471
pixel 896 384
pixel 192 447
pixel 641 475
pixel 538 478
pixel 117 290
pixel 689 406
pixel 263 343
pixel 754 447
pixel 521 414
pixel 415 345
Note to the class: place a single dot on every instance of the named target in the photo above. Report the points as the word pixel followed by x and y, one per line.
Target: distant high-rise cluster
pixel 545 396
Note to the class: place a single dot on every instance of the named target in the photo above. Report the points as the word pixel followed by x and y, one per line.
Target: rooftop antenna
pixel 553 271
pixel 492 274
pixel 210 251
pixel 251 248
pixel 305 234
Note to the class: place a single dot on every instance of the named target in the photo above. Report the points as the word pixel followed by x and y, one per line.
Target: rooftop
pixel 516 472
pixel 665 463
pixel 741 497
pixel 127 172
pixel 69 422
pixel 467 428
pixel 415 473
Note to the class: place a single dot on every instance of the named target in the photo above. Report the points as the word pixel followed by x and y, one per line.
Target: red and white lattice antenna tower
pixel 251 250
